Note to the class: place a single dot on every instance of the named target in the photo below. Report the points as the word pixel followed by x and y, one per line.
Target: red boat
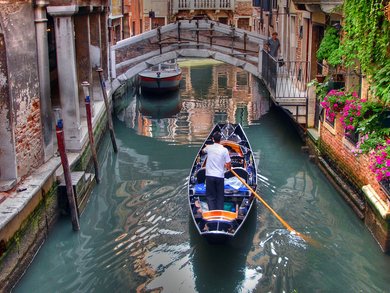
pixel 162 77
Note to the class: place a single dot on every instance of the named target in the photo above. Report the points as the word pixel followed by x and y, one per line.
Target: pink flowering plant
pixel 380 160
pixel 352 113
pixel 334 102
pixel 366 118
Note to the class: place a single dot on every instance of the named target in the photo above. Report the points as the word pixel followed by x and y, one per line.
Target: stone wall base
pixel 27 241
pixel 377 218
pixel 368 206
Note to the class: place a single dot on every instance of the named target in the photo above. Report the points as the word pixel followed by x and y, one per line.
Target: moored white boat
pixel 162 77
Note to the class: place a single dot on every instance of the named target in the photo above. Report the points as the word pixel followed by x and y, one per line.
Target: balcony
pixel 203 4
pixel 318 5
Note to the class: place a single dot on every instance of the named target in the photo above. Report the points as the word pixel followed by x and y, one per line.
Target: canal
pixel 136 233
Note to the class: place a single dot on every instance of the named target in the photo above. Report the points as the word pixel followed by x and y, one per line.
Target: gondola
pixel 218 226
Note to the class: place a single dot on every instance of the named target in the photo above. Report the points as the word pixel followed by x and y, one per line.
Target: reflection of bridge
pixel 209 39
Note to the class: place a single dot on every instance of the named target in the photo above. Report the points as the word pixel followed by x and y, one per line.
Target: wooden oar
pixel 285 224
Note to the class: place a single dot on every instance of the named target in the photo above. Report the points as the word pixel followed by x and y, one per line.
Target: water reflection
pixel 222 93
pixel 136 232
pixel 159 106
pixel 222 265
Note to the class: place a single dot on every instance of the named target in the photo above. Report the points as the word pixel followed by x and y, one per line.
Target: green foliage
pixel 370 141
pixel 381 83
pixel 370 116
pixel 330 49
pixel 366 43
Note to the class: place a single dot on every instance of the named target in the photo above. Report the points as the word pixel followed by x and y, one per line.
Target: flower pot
pixel 320 78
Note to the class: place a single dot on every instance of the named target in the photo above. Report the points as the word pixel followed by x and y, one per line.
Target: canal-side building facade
pixel 49 48
pixel 338 154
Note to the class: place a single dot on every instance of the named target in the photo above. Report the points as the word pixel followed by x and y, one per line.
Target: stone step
pixel 83 184
pixel 6 185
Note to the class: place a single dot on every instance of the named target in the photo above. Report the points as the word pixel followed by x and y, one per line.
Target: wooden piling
pixel 67 176
pixel 178 33
pixel 159 38
pixel 85 84
pixel 109 118
pixel 197 33
pixel 211 34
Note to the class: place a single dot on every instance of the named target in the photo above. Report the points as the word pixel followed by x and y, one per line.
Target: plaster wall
pixel 23 87
pixel 7 150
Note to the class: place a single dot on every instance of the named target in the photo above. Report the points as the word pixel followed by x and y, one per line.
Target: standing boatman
pixel 217 160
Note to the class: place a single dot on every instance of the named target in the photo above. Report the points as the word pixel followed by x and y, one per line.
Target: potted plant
pixel 380 161
pixel 334 102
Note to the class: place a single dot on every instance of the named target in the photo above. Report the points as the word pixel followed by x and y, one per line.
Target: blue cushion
pixel 200 188
pixel 242 188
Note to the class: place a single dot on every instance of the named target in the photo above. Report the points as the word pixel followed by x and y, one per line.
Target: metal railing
pixel 204 4
pixel 287 83
pixel 285 79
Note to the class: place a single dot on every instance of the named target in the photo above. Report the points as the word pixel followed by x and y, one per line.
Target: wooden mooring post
pixel 85 86
pixel 109 118
pixel 67 176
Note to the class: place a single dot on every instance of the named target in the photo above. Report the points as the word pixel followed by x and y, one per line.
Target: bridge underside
pixel 250 65
pixel 287 84
pixel 185 39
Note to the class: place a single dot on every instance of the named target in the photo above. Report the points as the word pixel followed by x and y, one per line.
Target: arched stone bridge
pixel 209 39
pixel 186 38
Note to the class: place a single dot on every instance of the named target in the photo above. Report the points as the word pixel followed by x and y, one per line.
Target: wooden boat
pixel 162 77
pixel 220 225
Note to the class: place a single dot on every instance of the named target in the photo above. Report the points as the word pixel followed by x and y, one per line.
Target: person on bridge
pixel 217 159
pixel 273 45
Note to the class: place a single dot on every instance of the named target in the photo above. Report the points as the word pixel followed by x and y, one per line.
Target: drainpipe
pixel 44 76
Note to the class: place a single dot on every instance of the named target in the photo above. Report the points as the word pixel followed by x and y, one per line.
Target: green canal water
pixel 136 232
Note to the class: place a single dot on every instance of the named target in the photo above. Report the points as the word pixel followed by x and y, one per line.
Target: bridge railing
pixel 287 83
pixel 203 4
pixel 285 79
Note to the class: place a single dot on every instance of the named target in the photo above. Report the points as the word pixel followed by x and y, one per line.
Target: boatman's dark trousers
pixel 215 192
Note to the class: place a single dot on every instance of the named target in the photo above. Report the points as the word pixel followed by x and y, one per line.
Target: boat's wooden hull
pixel 218 226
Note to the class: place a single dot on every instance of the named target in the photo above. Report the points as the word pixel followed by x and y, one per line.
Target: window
pixel 352 137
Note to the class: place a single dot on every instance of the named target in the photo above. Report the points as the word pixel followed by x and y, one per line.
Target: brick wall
pixel 243 8
pixel 355 168
pixel 28 138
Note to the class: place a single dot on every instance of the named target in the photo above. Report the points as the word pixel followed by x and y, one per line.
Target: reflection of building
pixel 210 93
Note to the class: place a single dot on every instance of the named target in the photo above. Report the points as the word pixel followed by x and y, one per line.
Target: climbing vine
pixel 366 43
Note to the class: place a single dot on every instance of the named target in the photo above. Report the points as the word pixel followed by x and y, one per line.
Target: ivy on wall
pixel 366 43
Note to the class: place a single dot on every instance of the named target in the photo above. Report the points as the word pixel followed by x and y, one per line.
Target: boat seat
pixel 219 215
pixel 240 172
pixel 201 175
pixel 237 161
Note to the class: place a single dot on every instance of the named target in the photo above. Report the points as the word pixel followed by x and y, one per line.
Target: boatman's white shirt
pixel 217 157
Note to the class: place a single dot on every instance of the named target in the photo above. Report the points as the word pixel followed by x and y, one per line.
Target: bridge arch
pixel 287 83
pixel 185 53
pixel 185 39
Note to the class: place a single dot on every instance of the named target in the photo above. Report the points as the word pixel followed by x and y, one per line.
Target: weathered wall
pixel 7 151
pixel 21 60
